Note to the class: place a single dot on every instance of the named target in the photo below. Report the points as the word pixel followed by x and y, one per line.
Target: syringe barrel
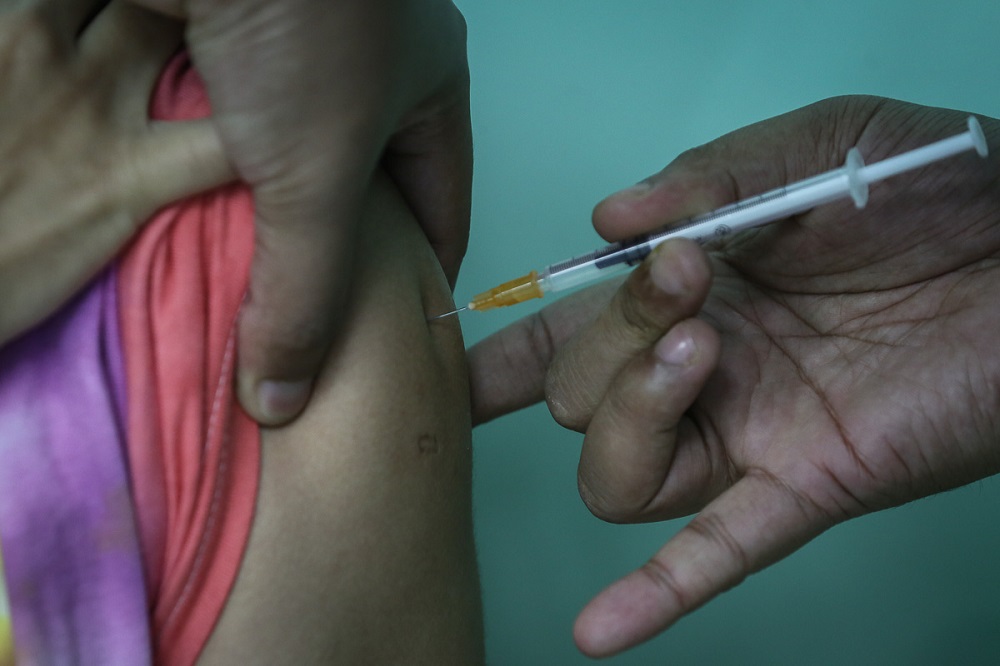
pixel 752 212
pixel 569 275
pixel 852 180
pixel 767 207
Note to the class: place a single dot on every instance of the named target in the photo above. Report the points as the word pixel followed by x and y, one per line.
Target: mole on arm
pixel 427 444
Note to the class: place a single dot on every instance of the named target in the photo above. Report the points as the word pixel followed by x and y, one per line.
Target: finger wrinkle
pixel 675 599
pixel 807 506
pixel 538 339
pixel 721 467
pixel 642 313
pixel 713 529
pixel 541 339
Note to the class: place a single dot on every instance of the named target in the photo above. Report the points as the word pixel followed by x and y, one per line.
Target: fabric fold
pixel 71 555
pixel 128 472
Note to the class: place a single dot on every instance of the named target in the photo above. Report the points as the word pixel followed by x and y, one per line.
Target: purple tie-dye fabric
pixel 71 554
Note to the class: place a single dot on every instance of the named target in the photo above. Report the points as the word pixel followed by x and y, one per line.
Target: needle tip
pixel 447 314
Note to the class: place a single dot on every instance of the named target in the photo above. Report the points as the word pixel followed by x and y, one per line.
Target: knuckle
pixel 533 335
pixel 638 314
pixel 600 502
pixel 540 340
pixel 634 323
pixel 689 591
pixel 661 573
pixel 713 529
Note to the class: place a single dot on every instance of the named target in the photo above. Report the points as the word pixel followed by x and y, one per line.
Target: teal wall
pixel 575 99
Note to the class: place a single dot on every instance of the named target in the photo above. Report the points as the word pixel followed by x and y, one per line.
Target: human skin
pixel 309 99
pixel 362 546
pixel 67 127
pixel 366 85
pixel 832 365
pixel 361 550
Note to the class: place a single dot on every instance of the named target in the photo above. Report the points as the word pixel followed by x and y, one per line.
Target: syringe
pixel 852 180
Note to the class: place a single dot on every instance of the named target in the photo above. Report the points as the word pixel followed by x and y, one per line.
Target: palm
pixel 859 353
pixel 855 356
pixel 857 368
pixel 853 399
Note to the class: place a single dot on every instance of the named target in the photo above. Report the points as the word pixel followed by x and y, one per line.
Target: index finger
pixel 668 287
pixel 507 369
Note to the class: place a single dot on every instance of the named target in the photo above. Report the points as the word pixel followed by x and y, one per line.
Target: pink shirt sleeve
pixel 194 455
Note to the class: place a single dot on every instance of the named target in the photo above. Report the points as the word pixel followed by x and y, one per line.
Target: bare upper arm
pixel 362 547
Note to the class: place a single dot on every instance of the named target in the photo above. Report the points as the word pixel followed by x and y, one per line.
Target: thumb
pixel 298 287
pixel 740 164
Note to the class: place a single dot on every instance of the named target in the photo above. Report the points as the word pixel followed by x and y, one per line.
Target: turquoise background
pixel 574 100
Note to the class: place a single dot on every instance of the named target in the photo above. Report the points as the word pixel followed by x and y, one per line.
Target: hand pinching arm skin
pixel 309 98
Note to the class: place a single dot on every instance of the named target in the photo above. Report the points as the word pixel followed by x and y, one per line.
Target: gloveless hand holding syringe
pixel 852 180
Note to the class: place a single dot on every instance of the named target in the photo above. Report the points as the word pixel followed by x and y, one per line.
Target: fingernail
pixel 665 273
pixel 676 349
pixel 281 400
